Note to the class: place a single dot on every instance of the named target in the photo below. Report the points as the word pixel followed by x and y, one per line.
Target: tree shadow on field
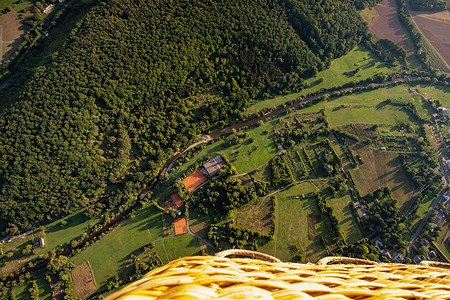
pixel 147 219
pixel 72 221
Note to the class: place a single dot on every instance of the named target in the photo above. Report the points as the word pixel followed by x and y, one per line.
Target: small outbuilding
pixel 213 166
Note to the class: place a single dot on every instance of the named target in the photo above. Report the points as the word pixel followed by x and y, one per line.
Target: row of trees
pixel 428 4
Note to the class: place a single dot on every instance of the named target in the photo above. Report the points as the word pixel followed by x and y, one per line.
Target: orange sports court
pixel 194 180
pixel 180 226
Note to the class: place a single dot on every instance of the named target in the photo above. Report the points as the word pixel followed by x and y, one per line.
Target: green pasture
pixel 109 253
pixel 56 234
pixel 44 287
pixel 292 225
pixel 255 216
pixel 422 210
pixel 177 247
pixel 342 210
pixel 18 7
pixel 368 115
pixel 21 291
pixel 245 156
pixel 359 57
pixel 367 107
pixel 249 156
pixel 443 241
pixel 435 92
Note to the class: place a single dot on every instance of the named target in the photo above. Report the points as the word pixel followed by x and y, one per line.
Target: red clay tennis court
pixel 180 226
pixel 194 180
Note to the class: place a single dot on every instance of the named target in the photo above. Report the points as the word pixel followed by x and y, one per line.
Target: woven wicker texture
pixel 218 277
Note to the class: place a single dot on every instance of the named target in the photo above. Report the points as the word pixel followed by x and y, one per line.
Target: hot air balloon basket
pixel 221 277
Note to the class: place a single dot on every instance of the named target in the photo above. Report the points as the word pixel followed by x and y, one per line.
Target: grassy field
pixel 248 156
pixel 443 237
pixel 245 156
pixel 382 168
pixel 436 93
pixel 255 216
pixel 117 246
pixel 369 14
pixel 359 57
pixel 422 210
pixel 44 287
pixel 292 225
pixel 18 7
pixel 177 247
pixel 21 291
pixel 348 223
pixel 364 107
pixel 56 234
pixel 369 115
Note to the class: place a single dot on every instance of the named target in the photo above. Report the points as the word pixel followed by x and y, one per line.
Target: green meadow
pixel 107 255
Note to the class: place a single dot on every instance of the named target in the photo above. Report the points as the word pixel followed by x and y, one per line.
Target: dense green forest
pixel 428 4
pixel 89 113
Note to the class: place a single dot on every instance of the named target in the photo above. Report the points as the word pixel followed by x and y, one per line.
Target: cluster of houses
pixel 445 113
pixel 394 257
pixel 211 169
pixel 430 256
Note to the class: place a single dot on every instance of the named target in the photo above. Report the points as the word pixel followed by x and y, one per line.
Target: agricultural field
pixel 436 32
pixel 382 168
pixel 129 236
pixel 83 280
pixel 440 16
pixel 256 216
pixel 359 57
pixel 11 29
pixel 443 241
pixel 387 24
pixel 177 247
pixel 298 223
pixel 342 210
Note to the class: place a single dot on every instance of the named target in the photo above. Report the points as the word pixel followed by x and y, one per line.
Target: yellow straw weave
pixel 219 277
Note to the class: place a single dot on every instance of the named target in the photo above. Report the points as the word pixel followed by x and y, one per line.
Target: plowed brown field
pixel 83 280
pixel 440 16
pixel 387 25
pixel 437 33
